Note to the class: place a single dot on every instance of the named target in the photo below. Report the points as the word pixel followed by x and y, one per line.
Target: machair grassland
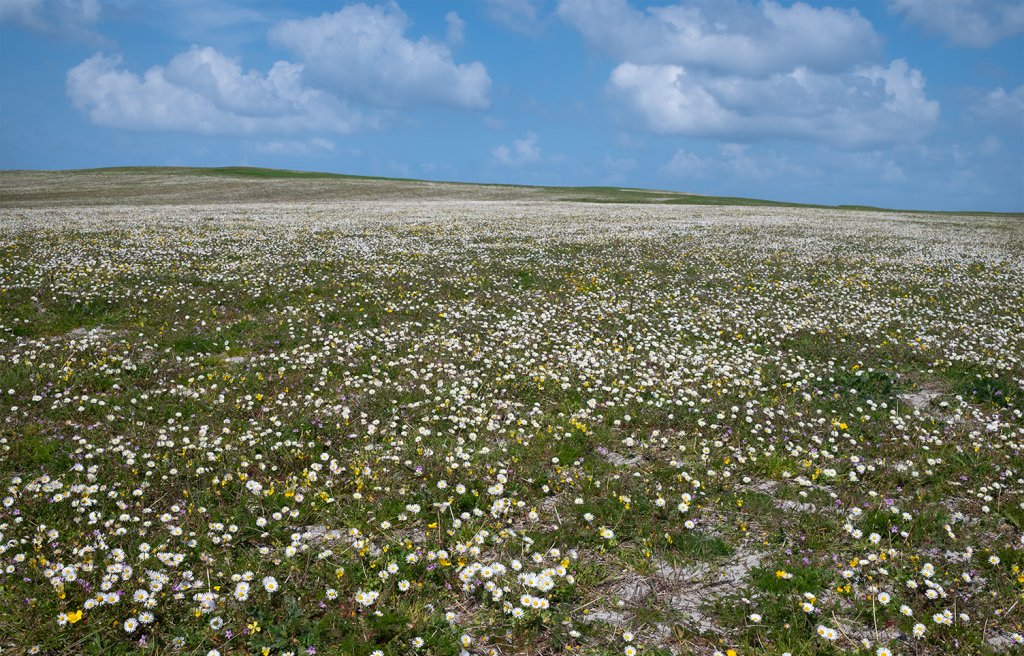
pixel 424 426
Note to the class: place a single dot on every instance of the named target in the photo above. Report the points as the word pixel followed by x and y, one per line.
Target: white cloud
pixel 617 168
pixel 742 161
pixel 356 55
pixel 69 19
pixel 296 147
pixel 734 161
pixel 618 164
pixel 737 70
pixel 493 122
pixel 727 36
pixel 973 23
pixel 1001 106
pixel 522 151
pixel 757 163
pixel 202 91
pixel 521 16
pixel 362 53
pixel 893 172
pixel 456 28
pixel 201 21
pixel 685 164
pixel 991 145
pixel 868 106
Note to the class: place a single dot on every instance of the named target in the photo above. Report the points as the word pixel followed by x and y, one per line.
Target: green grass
pixel 981 386
pixel 688 544
pixel 276 174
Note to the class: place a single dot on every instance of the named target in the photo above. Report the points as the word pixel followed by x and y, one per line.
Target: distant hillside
pixel 156 185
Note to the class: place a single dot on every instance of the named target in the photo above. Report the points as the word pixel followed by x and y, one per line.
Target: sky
pixel 894 103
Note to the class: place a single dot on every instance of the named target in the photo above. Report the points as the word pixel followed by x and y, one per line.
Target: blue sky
pixel 898 103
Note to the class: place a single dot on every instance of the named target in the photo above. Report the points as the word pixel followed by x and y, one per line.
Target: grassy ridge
pixel 587 194
pixel 149 185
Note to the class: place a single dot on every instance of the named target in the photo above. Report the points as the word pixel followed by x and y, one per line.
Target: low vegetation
pixel 422 427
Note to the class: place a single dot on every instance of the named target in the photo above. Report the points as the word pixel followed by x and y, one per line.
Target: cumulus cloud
pixel 1002 106
pixel 522 151
pixel 456 28
pixel 205 92
pixel 70 19
pixel 362 53
pixel 355 57
pixel 521 16
pixel 972 23
pixel 741 71
pixel 727 36
pixel 867 107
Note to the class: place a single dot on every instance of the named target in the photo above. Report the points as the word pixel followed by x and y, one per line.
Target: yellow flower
pixel 254 627
pixel 74 617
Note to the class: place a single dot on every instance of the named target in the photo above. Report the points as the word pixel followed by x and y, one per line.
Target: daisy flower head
pixel 366 599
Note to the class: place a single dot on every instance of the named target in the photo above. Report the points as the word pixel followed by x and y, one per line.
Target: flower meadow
pixel 510 428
